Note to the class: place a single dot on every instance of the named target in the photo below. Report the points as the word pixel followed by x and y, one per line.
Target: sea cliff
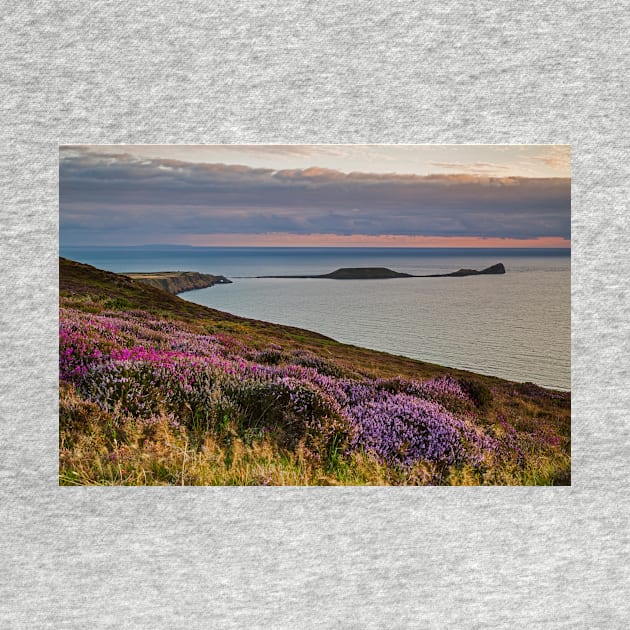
pixel 178 281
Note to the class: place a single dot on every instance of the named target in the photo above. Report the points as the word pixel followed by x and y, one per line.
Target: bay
pixel 515 326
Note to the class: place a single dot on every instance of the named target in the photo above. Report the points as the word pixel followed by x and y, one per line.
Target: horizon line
pixel 249 246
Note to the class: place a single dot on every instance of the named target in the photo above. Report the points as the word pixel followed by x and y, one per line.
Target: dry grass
pixel 96 449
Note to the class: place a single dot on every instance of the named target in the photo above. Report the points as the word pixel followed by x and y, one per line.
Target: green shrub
pixel 269 356
pixel 117 304
pixel 478 392
pixel 293 411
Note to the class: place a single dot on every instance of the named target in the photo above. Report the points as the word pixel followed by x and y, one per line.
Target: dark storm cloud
pixel 122 194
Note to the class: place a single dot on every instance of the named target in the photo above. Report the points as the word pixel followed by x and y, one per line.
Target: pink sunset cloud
pixel 285 239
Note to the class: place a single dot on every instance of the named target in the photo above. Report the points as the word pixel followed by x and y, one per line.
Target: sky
pixel 316 195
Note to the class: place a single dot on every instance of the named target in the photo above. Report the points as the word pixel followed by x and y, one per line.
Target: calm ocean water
pixel 516 326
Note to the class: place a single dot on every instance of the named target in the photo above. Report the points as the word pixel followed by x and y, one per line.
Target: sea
pixel 516 326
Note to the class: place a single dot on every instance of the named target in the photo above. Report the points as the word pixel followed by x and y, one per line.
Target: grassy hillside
pixel 157 390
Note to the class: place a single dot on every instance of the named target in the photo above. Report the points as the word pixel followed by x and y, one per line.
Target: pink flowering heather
pixel 139 366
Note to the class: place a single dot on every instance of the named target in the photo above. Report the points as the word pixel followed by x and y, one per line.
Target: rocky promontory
pixel 178 281
pixel 493 270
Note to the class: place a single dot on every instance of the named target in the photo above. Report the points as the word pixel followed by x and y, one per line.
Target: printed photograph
pixel 296 315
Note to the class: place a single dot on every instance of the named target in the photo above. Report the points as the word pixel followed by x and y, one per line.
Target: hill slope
pixel 154 389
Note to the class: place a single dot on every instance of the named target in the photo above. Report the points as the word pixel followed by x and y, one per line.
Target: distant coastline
pixel 176 282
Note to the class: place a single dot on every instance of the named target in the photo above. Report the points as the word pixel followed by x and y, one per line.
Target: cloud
pixel 557 157
pixel 485 168
pixel 288 150
pixel 106 196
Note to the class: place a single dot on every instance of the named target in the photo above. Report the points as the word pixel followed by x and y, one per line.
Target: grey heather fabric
pixel 303 72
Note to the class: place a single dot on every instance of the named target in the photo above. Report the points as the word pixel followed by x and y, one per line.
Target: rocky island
pixel 382 273
pixel 178 281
